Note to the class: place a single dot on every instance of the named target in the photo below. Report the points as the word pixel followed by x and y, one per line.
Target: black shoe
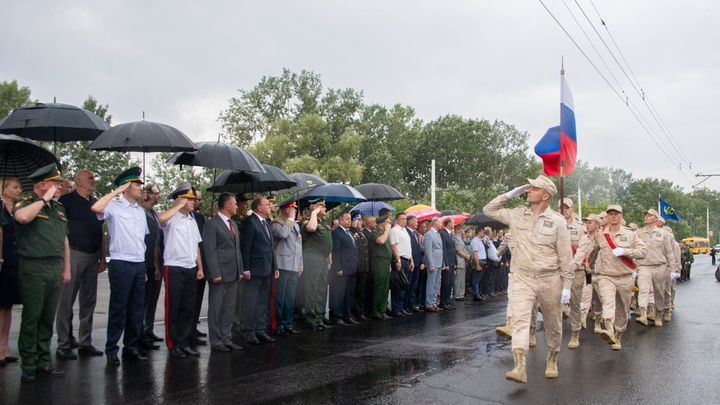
pixel 264 337
pixel 449 306
pixel 233 346
pixel 398 315
pixel 292 331
pixel 131 355
pixel 74 343
pixel 340 322
pixel 50 371
pixel 177 353
pixel 282 332
pixel 65 354
pixel 252 340
pixel 191 352
pixel 199 333
pixel 197 342
pixel 351 321
pixel 219 348
pixel 148 344
pixel 416 309
pixel 460 299
pixel 152 336
pixel 386 317
pixel 89 350
pixel 27 376
pixel 112 360
pixel 407 313
pixel 319 328
pixel 379 317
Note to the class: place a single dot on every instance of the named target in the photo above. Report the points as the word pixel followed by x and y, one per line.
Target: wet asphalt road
pixel 451 357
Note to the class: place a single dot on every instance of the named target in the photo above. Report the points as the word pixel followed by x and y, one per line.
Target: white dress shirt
pixel 127 225
pixel 400 238
pixel 181 241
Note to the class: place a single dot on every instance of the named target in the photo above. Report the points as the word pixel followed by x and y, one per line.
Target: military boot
pixel 505 330
pixel 642 318
pixel 551 370
pixel 608 333
pixel 659 318
pixel 583 321
pixel 518 372
pixel 533 338
pixel 617 345
pixel 651 312
pixel 668 315
pixel 574 342
pixel 598 324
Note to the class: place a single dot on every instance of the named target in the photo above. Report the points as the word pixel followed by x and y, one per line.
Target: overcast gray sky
pixel 180 61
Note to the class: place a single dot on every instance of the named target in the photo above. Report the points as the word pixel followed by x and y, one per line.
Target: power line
pixel 639 88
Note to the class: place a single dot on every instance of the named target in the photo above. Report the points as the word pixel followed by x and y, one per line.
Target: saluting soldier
pixel 380 261
pixel 44 263
pixel 542 269
pixel 316 249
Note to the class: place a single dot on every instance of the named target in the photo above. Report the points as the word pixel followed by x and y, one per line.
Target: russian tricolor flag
pixel 559 144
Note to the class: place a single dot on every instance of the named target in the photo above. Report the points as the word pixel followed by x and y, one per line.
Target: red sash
pixel 628 261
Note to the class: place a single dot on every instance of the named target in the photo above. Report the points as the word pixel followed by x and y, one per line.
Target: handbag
pixel 398 281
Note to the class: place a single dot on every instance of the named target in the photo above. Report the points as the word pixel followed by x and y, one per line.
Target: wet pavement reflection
pixel 450 357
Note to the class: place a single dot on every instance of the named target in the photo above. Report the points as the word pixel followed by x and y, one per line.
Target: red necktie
pixel 232 231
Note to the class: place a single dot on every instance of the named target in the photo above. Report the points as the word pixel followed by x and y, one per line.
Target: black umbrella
pixel 219 155
pixel 482 220
pixel 304 181
pixel 379 192
pixel 19 157
pixel 53 122
pixel 248 182
pixel 143 136
pixel 333 193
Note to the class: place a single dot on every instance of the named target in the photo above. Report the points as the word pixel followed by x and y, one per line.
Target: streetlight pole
pixel 580 197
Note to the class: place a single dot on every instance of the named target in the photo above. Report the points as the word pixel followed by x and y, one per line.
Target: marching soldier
pixel 542 269
pixel 616 272
pixel 44 263
pixel 653 269
pixel 577 235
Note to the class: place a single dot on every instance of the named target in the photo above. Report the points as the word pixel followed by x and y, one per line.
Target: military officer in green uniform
pixel 380 262
pixel 44 263
pixel 317 250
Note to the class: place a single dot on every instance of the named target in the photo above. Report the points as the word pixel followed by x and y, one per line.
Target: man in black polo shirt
pixel 87 259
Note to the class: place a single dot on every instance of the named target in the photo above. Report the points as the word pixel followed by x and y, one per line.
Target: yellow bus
pixel 697 244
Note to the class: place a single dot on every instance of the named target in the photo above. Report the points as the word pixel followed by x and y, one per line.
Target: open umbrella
pixel 304 181
pixel 53 122
pixel 248 182
pixel 419 207
pixel 371 207
pixel 19 157
pixel 482 220
pixel 219 155
pixel 379 192
pixel 333 193
pixel 143 136
pixel 456 218
pixel 424 215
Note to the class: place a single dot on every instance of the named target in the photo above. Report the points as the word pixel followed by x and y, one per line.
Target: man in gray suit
pixel 433 264
pixel 221 238
pixel 287 245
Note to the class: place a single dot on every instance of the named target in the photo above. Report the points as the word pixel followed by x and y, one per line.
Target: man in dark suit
pixel 221 244
pixel 342 274
pixel 412 298
pixel 450 260
pixel 256 245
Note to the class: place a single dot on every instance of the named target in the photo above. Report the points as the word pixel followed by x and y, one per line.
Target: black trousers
pixel 446 285
pixel 180 291
pixel 152 294
pixel 421 287
pixel 342 293
pixel 199 294
pixel 362 301
pixel 255 302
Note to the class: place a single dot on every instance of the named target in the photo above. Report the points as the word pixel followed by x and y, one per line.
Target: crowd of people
pixel 270 271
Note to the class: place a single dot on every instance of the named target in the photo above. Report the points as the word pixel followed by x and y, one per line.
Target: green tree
pixel 167 177
pixel 12 96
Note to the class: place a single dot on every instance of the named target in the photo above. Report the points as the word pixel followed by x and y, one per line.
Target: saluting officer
pixel 542 269
pixel 44 261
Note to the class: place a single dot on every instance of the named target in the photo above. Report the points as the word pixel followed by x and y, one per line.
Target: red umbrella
pixel 424 215
pixel 457 218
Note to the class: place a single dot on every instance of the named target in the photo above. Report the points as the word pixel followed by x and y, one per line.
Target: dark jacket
pixel 153 243
pixel 449 253
pixel 257 247
pixel 362 248
pixel 417 249
pixel 221 250
pixel 344 253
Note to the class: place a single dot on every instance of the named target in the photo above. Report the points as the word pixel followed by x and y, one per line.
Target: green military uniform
pixel 317 247
pixel 380 262
pixel 687 260
pixel 41 248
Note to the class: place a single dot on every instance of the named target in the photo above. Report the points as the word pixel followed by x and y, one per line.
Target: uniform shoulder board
pixel 26 199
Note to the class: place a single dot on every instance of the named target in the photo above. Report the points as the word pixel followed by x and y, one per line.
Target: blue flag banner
pixel 667 211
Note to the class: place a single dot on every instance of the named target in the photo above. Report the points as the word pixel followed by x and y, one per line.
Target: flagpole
pixel 562 161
